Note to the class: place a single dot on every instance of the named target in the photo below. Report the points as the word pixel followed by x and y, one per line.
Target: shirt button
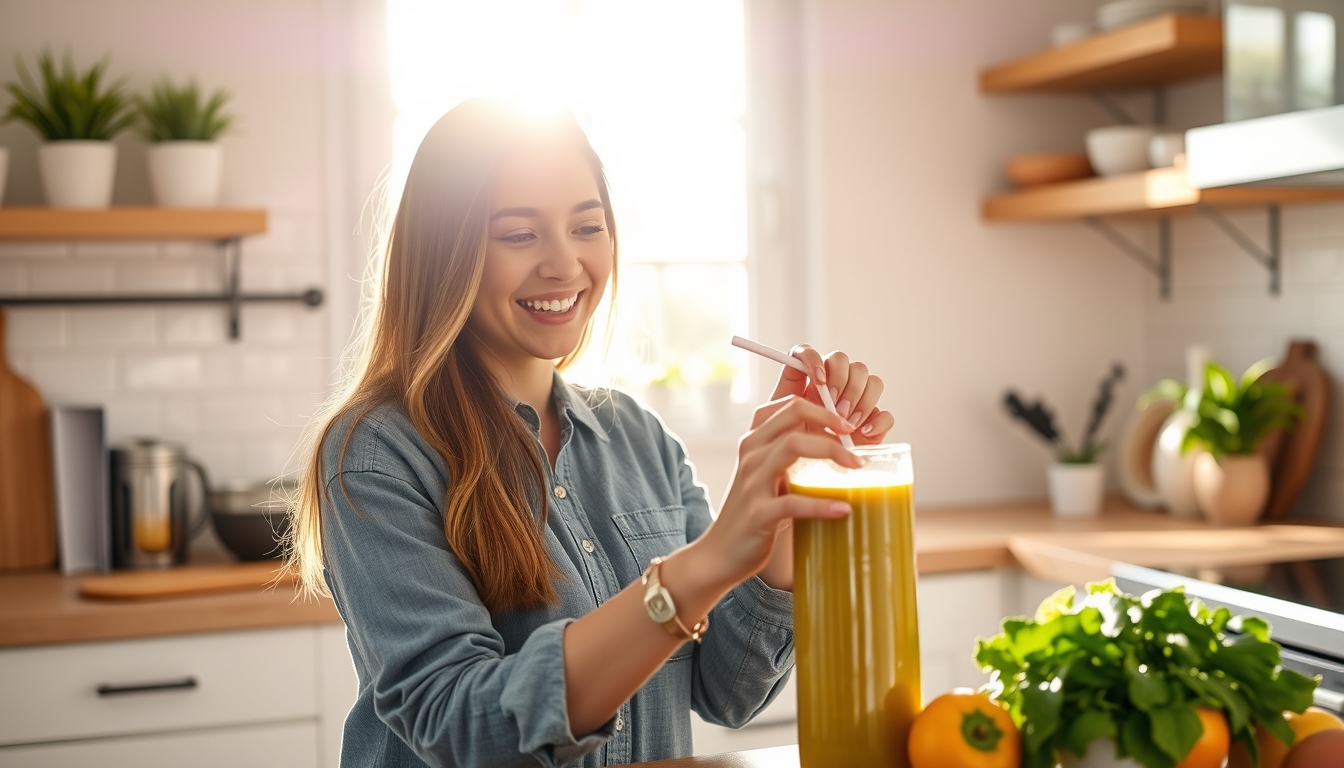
pixel 587 546
pixel 620 724
pixel 560 492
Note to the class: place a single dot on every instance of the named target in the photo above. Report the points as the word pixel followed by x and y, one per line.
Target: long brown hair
pixel 418 353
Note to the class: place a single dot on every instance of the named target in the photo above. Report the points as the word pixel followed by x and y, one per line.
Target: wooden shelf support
pixel 1271 258
pixel 1159 265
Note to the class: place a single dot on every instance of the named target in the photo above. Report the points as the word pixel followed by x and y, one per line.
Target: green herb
pixel 1231 417
pixel 69 106
pixel 174 113
pixel 1133 670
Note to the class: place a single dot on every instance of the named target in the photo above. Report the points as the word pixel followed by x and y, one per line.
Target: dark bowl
pixel 250 520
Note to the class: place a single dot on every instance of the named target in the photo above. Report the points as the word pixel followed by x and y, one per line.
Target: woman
pixel 490 534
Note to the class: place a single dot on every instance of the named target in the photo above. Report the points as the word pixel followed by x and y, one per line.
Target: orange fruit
pixel 1273 752
pixel 1211 749
pixel 963 729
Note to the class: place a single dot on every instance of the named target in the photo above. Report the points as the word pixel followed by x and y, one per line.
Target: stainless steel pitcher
pixel 152 522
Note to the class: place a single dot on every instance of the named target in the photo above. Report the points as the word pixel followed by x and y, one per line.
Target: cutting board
pixel 1292 455
pixel 27 503
pixel 176 582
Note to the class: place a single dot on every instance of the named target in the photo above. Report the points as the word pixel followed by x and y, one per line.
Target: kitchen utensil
pixel 1166 150
pixel 1047 168
pixel 1292 456
pixel 793 362
pixel 27 507
pixel 151 520
pixel 1137 443
pixel 1118 149
pixel 174 582
pixel 1069 32
pixel 251 519
pixel 855 616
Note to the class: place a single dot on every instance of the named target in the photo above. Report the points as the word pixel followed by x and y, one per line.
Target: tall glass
pixel 855 621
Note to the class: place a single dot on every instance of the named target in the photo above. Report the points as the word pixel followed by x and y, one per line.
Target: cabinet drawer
pixel 53 692
pixel 287 745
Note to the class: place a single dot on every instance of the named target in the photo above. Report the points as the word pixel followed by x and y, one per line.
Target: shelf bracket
pixel 1271 258
pixel 232 248
pixel 1159 265
pixel 1123 116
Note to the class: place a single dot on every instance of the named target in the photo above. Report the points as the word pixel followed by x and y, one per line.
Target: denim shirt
pixel 442 682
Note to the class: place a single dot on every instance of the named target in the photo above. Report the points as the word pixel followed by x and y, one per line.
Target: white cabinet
pixel 252 698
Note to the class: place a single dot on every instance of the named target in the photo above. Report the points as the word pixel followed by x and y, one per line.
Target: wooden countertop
pixel 37 608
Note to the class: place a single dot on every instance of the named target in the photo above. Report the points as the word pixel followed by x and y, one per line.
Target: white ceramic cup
pixel 1166 150
pixel 77 174
pixel 1119 149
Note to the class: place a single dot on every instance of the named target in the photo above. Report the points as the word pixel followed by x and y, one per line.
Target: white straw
pixel 793 362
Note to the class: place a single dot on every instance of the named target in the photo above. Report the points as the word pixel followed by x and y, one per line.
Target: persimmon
pixel 964 730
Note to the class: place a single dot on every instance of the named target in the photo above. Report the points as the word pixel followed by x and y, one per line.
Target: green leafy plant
pixel 68 105
pixel 178 113
pixel 1133 670
pixel 1038 416
pixel 1231 416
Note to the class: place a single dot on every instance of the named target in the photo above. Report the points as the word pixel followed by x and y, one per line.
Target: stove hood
pixel 1294 149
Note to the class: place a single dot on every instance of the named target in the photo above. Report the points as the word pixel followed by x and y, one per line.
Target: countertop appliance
pixel 1303 601
pixel 151 522
pixel 1283 87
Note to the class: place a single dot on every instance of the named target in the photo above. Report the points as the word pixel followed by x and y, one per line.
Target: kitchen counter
pixel 40 608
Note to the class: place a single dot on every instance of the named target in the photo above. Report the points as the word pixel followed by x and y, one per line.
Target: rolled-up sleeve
pixel 439 676
pixel 746 656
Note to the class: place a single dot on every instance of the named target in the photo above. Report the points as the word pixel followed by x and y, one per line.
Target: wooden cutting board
pixel 176 582
pixel 1292 455
pixel 27 503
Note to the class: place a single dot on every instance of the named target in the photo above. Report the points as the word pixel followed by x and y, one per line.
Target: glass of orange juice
pixel 855 621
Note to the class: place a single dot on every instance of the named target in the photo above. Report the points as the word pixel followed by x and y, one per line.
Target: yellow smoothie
pixel 855 619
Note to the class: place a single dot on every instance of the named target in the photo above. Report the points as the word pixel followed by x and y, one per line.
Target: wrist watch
pixel 658 602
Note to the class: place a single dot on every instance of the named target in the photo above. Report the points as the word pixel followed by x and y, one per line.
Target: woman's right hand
pixel 741 541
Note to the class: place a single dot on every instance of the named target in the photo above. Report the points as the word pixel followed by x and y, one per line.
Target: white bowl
pixel 1118 149
pixel 1166 150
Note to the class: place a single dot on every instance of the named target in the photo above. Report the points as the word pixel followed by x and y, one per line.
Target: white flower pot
pixel 1076 490
pixel 186 174
pixel 1174 471
pixel 1100 754
pixel 4 170
pixel 1232 490
pixel 77 174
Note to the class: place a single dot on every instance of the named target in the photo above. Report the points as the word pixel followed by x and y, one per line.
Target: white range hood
pixel 1292 149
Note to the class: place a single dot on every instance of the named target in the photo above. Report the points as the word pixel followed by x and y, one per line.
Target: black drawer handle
pixel 184 684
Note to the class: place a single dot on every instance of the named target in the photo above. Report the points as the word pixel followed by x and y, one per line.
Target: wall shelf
pixel 1150 53
pixel 224 226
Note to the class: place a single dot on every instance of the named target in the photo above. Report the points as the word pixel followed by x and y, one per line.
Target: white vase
pixel 1174 471
pixel 185 174
pixel 1232 490
pixel 77 174
pixel 1100 754
pixel 4 171
pixel 1076 490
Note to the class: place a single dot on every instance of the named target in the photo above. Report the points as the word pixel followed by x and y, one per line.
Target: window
pixel 660 87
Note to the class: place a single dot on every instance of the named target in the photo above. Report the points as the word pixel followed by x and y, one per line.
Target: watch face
pixel 660 608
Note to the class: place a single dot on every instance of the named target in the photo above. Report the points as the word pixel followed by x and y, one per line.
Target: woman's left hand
pixel 854 390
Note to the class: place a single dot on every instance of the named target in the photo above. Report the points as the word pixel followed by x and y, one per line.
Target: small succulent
pixel 68 105
pixel 1038 416
pixel 178 113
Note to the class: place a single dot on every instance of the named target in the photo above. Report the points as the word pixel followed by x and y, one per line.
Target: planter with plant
pixel 1156 682
pixel 77 116
pixel 185 158
pixel 1077 479
pixel 1228 419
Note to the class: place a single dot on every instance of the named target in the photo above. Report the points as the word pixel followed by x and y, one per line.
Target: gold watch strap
pixel 650 579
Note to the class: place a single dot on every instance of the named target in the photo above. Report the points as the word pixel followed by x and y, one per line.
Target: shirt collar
pixel 567 400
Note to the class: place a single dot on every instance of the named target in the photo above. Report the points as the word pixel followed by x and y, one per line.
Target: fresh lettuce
pixel 1134 669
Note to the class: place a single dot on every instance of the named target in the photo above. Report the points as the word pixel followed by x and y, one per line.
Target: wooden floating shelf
pixel 1164 190
pixel 130 223
pixel 1162 50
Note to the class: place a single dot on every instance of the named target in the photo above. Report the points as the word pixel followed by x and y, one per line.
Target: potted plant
pixel 1228 419
pixel 1077 481
pixel 185 158
pixel 1119 680
pixel 77 116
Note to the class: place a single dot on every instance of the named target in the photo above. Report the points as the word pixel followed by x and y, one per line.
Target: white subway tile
pixel 220 455
pixel 36 328
pixel 72 376
pixel 116 250
pixel 271 325
pixel 67 279
pixel 188 252
pixel 180 416
pixel 267 456
pixel 129 418
pixel 13 278
pixel 195 326
pixel 122 327
pixel 221 369
pixel 34 250
pixel 232 415
pixel 142 277
pixel 168 371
